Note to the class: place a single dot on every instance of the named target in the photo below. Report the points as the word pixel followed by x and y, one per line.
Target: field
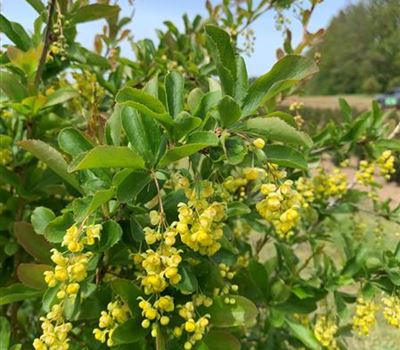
pixel 359 102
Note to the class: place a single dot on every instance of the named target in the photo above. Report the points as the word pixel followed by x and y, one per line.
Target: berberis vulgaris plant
pixel 154 214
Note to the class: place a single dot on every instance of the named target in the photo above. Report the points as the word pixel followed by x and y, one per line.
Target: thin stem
pixel 160 202
pixel 160 339
pixel 395 131
pixel 46 46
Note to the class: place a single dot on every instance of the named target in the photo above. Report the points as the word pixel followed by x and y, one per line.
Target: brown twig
pixel 46 45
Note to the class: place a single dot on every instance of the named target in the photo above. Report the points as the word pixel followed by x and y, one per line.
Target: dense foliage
pixel 360 52
pixel 166 203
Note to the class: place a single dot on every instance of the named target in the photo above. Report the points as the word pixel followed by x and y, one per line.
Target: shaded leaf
pixel 241 314
pixel 17 292
pixel 52 158
pixel 33 243
pixel 40 218
pixel 32 275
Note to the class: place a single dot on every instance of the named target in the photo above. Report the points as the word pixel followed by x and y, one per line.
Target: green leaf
pixel 50 298
pixel 285 156
pixel 129 332
pixel 224 56
pixel 285 73
pixel 228 111
pixel 32 275
pixel 235 149
pixel 15 32
pixel 83 207
pixel 242 80
pixel 241 314
pixel 391 144
pixel 286 117
pixel 276 129
pixel 55 230
pixel 128 291
pixel 202 140
pixel 204 137
pixel 40 218
pixel 207 102
pixel 107 157
pixel 194 98
pixel 304 334
pixel 12 87
pixel 146 104
pixel 73 142
pixel 237 209
pixel 218 339
pixel 52 158
pixel 93 12
pixel 131 186
pixel 110 235
pixel 114 127
pixel 174 91
pixel 27 61
pixel 60 96
pixel 5 333
pixel 346 110
pixel 33 243
pixel 188 284
pixel 185 123
pixel 17 292
pixel 180 152
pixel 143 134
pixel 37 5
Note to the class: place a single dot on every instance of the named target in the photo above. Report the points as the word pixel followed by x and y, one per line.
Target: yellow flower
pixel 325 330
pixel 259 143
pixel 364 318
pixel 391 310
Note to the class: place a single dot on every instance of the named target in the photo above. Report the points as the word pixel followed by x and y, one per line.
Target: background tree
pixel 361 50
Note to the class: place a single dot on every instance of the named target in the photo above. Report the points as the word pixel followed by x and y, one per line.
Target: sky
pixel 150 14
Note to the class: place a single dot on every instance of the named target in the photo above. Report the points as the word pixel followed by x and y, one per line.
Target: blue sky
pixel 150 14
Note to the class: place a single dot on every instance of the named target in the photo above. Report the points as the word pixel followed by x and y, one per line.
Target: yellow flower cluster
pixel 295 106
pixel 199 224
pixel 117 313
pixel 88 87
pixel 55 331
pixel 76 238
pixel 364 318
pixel 365 173
pixel 330 185
pixel 69 271
pixel 385 164
pixel 195 329
pixel 391 310
pixel 241 228
pixel 159 267
pixel 156 312
pixel 280 207
pixel 306 188
pixel 325 330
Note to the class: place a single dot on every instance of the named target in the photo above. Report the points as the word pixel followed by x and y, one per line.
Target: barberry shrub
pixel 156 214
